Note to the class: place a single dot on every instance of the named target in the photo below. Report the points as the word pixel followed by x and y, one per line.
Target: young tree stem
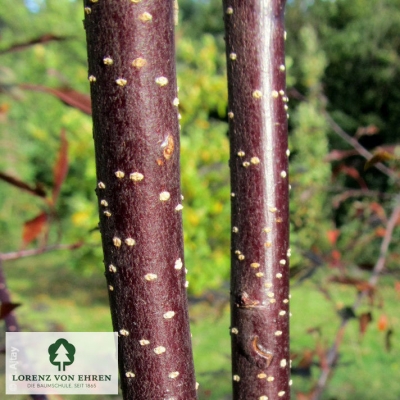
pixel 259 179
pixel 136 133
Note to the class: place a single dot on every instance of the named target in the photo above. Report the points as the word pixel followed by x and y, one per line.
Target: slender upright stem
pixel 259 178
pixel 136 133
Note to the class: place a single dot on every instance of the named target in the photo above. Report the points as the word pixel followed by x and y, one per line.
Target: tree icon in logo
pixel 61 353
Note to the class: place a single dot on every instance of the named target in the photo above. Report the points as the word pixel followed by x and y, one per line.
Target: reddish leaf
pixel 6 308
pixel 4 108
pixel 336 256
pixel 76 245
pixel 68 96
pixel 322 355
pixel 364 319
pixel 378 210
pixel 304 396
pixel 48 37
pixel 61 166
pixel 303 367
pixel 338 155
pixel 333 235
pixel 379 156
pixel 380 231
pixel 383 323
pixel 306 359
pixel 359 284
pixel 397 287
pixel 352 172
pixel 37 190
pixel 33 228
pixel 366 131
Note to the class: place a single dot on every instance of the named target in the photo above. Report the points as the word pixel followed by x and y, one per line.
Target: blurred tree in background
pixel 343 68
pixel 342 59
pixel 345 65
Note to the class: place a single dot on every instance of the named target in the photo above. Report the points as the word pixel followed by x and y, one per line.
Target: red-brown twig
pixel 345 195
pixel 34 252
pixel 35 190
pixel 379 266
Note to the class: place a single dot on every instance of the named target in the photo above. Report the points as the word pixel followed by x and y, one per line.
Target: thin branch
pixel 35 190
pixel 48 37
pixel 34 252
pixel 380 265
pixel 362 151
pixel 378 268
pixel 132 74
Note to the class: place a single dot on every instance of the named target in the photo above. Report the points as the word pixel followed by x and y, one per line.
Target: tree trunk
pixel 259 178
pixel 136 132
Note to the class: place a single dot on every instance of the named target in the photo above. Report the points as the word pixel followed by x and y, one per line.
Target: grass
pixel 56 297
pixel 366 370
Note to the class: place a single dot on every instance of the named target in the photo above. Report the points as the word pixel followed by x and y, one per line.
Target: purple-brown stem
pixel 10 320
pixel 131 54
pixel 259 179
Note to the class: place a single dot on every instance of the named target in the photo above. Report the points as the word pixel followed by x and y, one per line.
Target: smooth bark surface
pixel 136 133
pixel 259 178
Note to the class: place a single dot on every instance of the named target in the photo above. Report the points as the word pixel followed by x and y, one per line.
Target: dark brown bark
pixel 259 178
pixel 136 134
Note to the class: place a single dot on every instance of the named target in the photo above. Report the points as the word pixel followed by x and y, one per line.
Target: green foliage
pixel 204 160
pixel 367 38
pixel 309 144
pixel 365 370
